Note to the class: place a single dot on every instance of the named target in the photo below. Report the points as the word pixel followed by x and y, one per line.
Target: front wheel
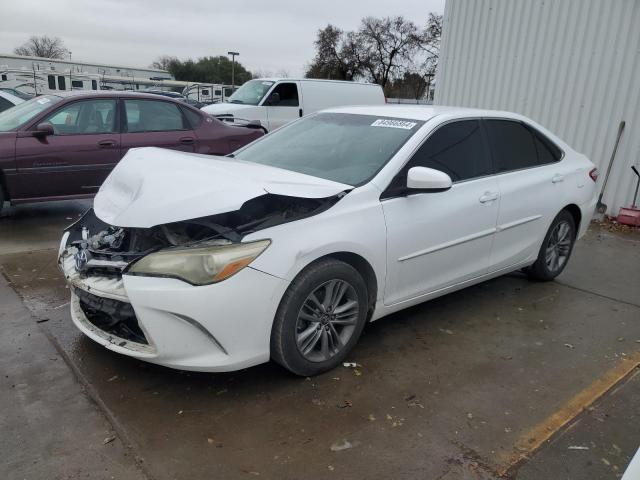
pixel 320 318
pixel 556 248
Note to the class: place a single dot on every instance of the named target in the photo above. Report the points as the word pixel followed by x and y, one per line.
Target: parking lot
pixel 510 378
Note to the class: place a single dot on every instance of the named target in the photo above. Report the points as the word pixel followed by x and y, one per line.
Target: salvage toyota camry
pixel 288 248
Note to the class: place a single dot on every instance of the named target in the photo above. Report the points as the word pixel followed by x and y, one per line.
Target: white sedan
pixel 288 249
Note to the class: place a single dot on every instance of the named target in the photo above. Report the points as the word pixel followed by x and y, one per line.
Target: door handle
pixel 107 143
pixel 557 178
pixel 489 197
pixel 186 140
pixel 300 112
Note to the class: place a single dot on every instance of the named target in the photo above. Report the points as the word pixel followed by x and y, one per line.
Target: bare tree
pixel 163 62
pixel 388 44
pixel 392 51
pixel 337 55
pixel 43 46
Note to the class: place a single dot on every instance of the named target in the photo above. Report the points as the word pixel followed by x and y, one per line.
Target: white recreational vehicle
pixel 37 76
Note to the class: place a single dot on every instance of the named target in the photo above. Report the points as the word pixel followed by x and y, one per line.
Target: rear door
pixel 78 157
pixel 156 123
pixel 531 182
pixel 287 108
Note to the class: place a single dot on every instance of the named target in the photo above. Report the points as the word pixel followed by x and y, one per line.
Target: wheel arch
pixel 363 267
pixel 576 213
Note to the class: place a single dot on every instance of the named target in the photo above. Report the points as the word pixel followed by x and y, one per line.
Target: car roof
pixel 324 80
pixel 109 94
pixel 420 112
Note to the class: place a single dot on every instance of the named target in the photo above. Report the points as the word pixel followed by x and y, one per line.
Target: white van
pixel 277 101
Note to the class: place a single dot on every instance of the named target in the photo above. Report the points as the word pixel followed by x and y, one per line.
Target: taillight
pixel 593 174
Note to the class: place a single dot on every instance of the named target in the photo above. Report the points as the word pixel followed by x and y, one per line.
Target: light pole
pixel 233 72
pixel 70 68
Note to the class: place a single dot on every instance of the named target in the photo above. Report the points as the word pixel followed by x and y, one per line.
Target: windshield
pixel 342 147
pixel 251 92
pixel 21 114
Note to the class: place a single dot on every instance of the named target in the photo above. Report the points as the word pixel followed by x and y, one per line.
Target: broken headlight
pixel 200 265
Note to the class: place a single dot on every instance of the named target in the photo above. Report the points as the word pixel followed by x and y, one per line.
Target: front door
pixel 435 240
pixel 77 158
pixel 283 105
pixel 156 123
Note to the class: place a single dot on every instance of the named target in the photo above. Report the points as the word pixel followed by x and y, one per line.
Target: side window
pixel 4 104
pixel 547 151
pixel 457 148
pixel 62 82
pixel 288 94
pixel 52 82
pixel 153 116
pixel 85 117
pixel 512 144
pixel 193 117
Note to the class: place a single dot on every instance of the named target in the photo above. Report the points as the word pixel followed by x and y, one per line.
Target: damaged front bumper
pixel 219 327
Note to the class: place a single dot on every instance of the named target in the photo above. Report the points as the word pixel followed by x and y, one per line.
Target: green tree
pixel 205 69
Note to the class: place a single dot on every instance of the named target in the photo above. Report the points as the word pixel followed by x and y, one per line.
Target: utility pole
pixel 70 68
pixel 233 73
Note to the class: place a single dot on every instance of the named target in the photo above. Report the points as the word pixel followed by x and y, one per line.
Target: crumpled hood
pixel 153 186
pixel 224 108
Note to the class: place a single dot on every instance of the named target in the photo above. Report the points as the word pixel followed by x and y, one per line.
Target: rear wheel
pixel 556 248
pixel 320 318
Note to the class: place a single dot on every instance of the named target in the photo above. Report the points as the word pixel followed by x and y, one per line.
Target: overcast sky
pixel 271 35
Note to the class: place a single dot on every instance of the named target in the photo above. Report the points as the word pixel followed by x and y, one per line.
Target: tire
pixel 311 334
pixel 2 196
pixel 555 250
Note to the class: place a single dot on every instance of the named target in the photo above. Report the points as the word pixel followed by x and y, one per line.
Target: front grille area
pixel 111 316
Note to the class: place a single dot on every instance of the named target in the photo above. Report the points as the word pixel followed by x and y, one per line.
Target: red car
pixel 63 146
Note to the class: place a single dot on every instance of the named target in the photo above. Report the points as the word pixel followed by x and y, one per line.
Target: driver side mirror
pixel 274 99
pixel 428 180
pixel 43 130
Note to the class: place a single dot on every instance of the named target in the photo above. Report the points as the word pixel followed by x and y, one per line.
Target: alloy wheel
pixel 326 320
pixel 558 246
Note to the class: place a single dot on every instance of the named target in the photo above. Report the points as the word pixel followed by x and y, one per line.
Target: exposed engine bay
pixel 106 250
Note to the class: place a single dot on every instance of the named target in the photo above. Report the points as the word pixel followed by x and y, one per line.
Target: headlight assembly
pixel 200 265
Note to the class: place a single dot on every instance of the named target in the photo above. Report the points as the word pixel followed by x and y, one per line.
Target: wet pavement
pixel 488 381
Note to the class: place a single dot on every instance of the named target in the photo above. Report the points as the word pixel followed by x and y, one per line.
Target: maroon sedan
pixel 63 146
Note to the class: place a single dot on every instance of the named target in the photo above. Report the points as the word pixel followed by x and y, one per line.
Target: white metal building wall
pixel 571 65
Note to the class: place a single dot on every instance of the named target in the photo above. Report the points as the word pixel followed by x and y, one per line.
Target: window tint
pixel 153 116
pixel 288 94
pixel 4 104
pixel 62 85
pixel 193 117
pixel 547 151
pixel 52 82
pixel 88 116
pixel 457 148
pixel 512 144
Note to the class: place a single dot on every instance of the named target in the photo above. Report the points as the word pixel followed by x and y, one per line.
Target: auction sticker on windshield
pixel 384 122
